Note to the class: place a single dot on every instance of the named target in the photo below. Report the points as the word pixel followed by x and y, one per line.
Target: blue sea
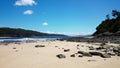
pixel 29 39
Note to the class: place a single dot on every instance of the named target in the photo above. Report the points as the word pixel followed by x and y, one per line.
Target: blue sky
pixel 73 17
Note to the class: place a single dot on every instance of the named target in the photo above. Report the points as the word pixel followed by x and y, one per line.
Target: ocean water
pixel 29 39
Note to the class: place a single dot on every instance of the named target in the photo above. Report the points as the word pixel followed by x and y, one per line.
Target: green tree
pixel 109 25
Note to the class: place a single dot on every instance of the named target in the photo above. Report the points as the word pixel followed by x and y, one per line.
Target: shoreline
pixel 89 39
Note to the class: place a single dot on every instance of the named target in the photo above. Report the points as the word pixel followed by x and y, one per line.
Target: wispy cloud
pixel 69 33
pixel 45 24
pixel 25 2
pixel 28 12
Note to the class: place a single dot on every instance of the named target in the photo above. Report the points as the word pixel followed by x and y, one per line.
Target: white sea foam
pixel 24 39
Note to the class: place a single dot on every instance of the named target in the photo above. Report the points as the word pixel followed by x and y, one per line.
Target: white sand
pixel 27 56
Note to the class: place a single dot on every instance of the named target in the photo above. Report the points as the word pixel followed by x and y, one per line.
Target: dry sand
pixel 26 55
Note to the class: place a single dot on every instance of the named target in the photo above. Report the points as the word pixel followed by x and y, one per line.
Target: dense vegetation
pixel 18 32
pixel 109 26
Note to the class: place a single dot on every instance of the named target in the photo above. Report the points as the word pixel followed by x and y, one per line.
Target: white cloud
pixel 69 33
pixel 28 12
pixel 45 24
pixel 25 2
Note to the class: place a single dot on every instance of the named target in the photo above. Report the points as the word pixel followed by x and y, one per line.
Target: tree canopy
pixel 109 25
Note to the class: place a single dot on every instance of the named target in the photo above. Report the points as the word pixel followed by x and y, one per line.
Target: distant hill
pixel 18 32
pixel 109 26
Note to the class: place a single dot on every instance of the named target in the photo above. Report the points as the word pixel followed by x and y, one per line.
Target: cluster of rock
pixel 104 51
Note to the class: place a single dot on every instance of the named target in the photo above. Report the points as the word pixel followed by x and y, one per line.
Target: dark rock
pixel 91 48
pixel 14 47
pixel 116 49
pixel 36 45
pixel 81 52
pixel 85 53
pixel 102 44
pixel 80 55
pixel 99 48
pixel 39 46
pixel 66 50
pixel 118 54
pixel 103 48
pixel 56 46
pixel 112 54
pixel 91 60
pixel 60 56
pixel 73 55
pixel 105 56
pixel 95 53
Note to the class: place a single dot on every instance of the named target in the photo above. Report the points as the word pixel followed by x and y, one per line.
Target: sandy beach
pixel 26 55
